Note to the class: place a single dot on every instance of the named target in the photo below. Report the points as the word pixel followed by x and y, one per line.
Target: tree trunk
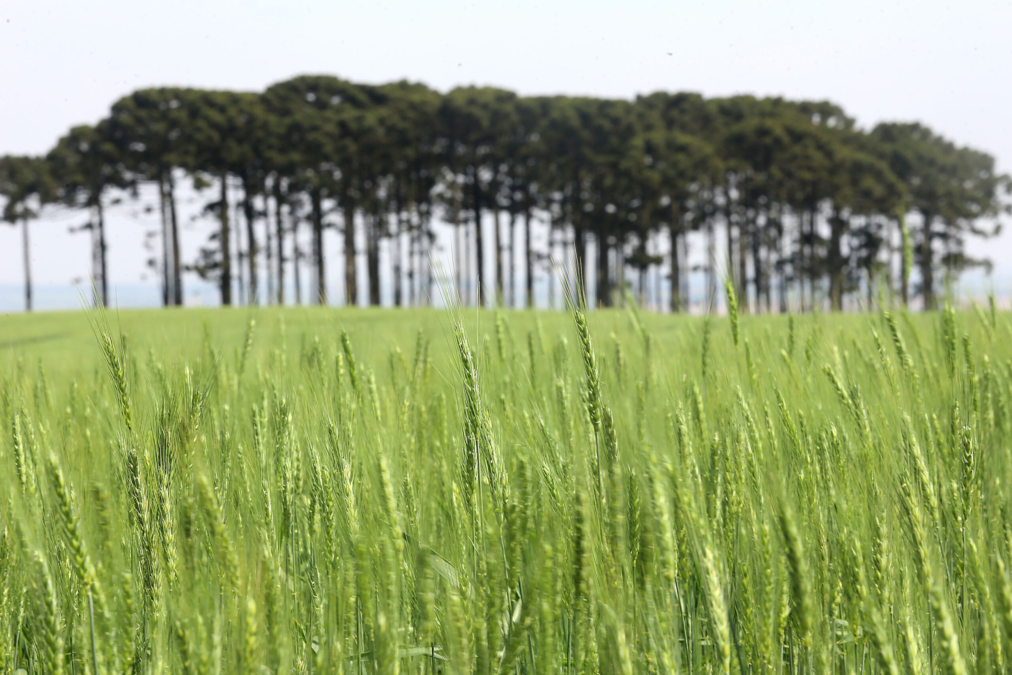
pixel 458 248
pixel 757 266
pixel 296 258
pixel 468 270
pixel 580 253
pixel 459 255
pixel 870 288
pixel 479 238
pixel 732 272
pixel 529 260
pixel 251 242
pixel 802 259
pixel 658 305
pixel 500 267
pixel 103 268
pixel 177 273
pixel 783 256
pixel 620 270
pixel 237 235
pixel 835 263
pixel 746 232
pixel 373 261
pixel 642 283
pixel 405 258
pixel 711 271
pixel 927 264
pixel 676 268
pixel 685 298
pixel 511 265
pixel 767 279
pixel 904 272
pixel 395 255
pixel 552 236
pixel 26 249
pixel 226 252
pixel 805 259
pixel 268 247
pixel 784 308
pixel 812 221
pixel 411 263
pixel 603 280
pixel 425 281
pixel 350 280
pixel 279 225
pixel 321 276
pixel 166 269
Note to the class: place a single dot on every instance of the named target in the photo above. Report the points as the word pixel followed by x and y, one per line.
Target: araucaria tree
pixel 26 184
pixel 790 201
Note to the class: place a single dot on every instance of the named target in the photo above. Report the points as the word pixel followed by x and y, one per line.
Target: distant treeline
pixel 812 207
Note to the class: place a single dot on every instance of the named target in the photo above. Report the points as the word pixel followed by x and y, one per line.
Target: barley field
pixel 303 491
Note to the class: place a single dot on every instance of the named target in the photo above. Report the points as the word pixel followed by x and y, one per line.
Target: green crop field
pixel 312 490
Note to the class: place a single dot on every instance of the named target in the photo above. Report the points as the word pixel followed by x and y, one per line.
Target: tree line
pixel 809 207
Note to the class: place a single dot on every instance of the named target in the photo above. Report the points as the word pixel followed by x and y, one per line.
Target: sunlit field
pixel 422 491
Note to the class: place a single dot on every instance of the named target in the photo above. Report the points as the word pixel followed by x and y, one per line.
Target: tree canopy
pixel 811 207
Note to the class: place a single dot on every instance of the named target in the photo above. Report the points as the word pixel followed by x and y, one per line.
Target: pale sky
pixel 948 65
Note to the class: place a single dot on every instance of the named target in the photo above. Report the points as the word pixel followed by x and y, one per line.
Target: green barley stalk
pixel 718 607
pixel 592 393
pixel 706 347
pixel 251 635
pixel 592 381
pixel 6 610
pixel 82 566
pixel 887 365
pixel 991 642
pixel 20 457
pixel 902 354
pixel 911 636
pixel 753 375
pixel 1005 599
pixel 117 371
pixel 272 610
pixel 167 529
pixel 925 482
pixel 352 366
pixel 876 624
pixel 219 535
pixel 949 338
pixel 971 369
pixel 732 308
pixel 500 336
pixel 985 321
pixel 246 347
pixel 532 361
pixel 184 647
pixel 51 635
pixel 790 335
pixel 637 321
pixel 801 590
pixel 481 453
pixel 620 361
pixel 931 583
pixel 908 254
pixel 374 396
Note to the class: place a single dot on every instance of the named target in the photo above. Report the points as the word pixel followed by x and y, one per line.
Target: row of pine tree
pixel 808 207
